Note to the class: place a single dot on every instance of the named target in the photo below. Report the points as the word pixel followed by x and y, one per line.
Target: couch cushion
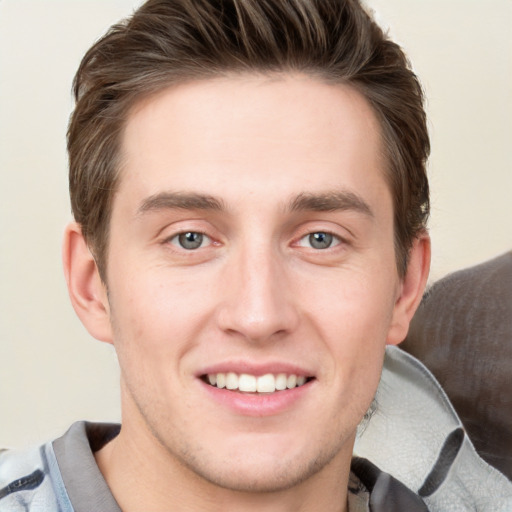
pixel 462 332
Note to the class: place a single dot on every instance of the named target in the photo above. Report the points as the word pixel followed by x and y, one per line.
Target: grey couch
pixel 462 332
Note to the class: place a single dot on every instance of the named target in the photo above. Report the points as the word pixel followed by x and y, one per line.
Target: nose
pixel 257 301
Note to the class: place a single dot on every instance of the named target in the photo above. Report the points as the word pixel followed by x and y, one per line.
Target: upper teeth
pixel 267 383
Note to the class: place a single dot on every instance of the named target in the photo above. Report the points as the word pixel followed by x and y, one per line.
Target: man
pixel 248 185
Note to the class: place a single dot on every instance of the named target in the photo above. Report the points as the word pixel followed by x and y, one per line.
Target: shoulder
pixel 464 328
pixel 26 482
pixel 60 475
pixel 382 491
pixel 415 436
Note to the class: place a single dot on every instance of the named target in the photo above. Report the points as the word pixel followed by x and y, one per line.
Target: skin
pixel 256 292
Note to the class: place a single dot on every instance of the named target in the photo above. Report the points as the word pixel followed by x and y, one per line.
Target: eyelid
pixel 337 239
pixel 340 232
pixel 168 235
pixel 174 240
pixel 186 225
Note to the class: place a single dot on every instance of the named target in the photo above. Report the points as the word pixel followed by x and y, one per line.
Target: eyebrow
pixel 180 200
pixel 330 202
pixel 319 202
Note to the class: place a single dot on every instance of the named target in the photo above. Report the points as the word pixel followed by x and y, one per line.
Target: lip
pixel 257 404
pixel 255 369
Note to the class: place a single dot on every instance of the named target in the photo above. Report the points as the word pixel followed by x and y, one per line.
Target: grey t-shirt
pixel 62 476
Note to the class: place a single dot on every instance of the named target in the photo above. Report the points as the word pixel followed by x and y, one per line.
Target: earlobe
pixel 86 290
pixel 411 289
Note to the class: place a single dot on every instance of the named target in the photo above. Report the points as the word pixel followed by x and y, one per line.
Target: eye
pixel 319 240
pixel 190 240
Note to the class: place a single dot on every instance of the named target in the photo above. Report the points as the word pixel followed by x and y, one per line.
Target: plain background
pixel 51 371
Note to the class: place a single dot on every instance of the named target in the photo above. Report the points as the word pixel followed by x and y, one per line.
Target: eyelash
pixel 336 240
pixel 177 240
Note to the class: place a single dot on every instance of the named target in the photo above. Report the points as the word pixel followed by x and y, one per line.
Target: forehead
pixel 246 132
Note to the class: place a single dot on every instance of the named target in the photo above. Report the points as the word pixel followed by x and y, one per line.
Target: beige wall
pixel 51 371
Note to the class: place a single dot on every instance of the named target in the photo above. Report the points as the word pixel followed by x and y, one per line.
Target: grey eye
pixel 190 241
pixel 320 240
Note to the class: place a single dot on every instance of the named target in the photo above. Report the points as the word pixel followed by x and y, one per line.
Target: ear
pixel 86 290
pixel 411 289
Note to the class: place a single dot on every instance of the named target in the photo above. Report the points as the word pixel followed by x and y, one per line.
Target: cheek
pixel 352 316
pixel 152 299
pixel 353 302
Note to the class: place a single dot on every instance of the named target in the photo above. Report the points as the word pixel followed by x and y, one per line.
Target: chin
pixel 260 477
pixel 260 471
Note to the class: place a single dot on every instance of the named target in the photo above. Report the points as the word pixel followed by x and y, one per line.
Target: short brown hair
pixel 172 41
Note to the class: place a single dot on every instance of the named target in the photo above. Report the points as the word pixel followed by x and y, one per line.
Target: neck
pixel 142 475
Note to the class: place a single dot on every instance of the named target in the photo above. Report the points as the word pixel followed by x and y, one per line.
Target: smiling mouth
pixel 246 383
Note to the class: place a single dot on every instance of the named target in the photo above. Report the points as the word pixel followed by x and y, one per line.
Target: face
pixel 252 276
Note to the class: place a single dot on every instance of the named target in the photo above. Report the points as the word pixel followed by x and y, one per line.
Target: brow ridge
pixel 306 201
pixel 330 201
pixel 180 200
